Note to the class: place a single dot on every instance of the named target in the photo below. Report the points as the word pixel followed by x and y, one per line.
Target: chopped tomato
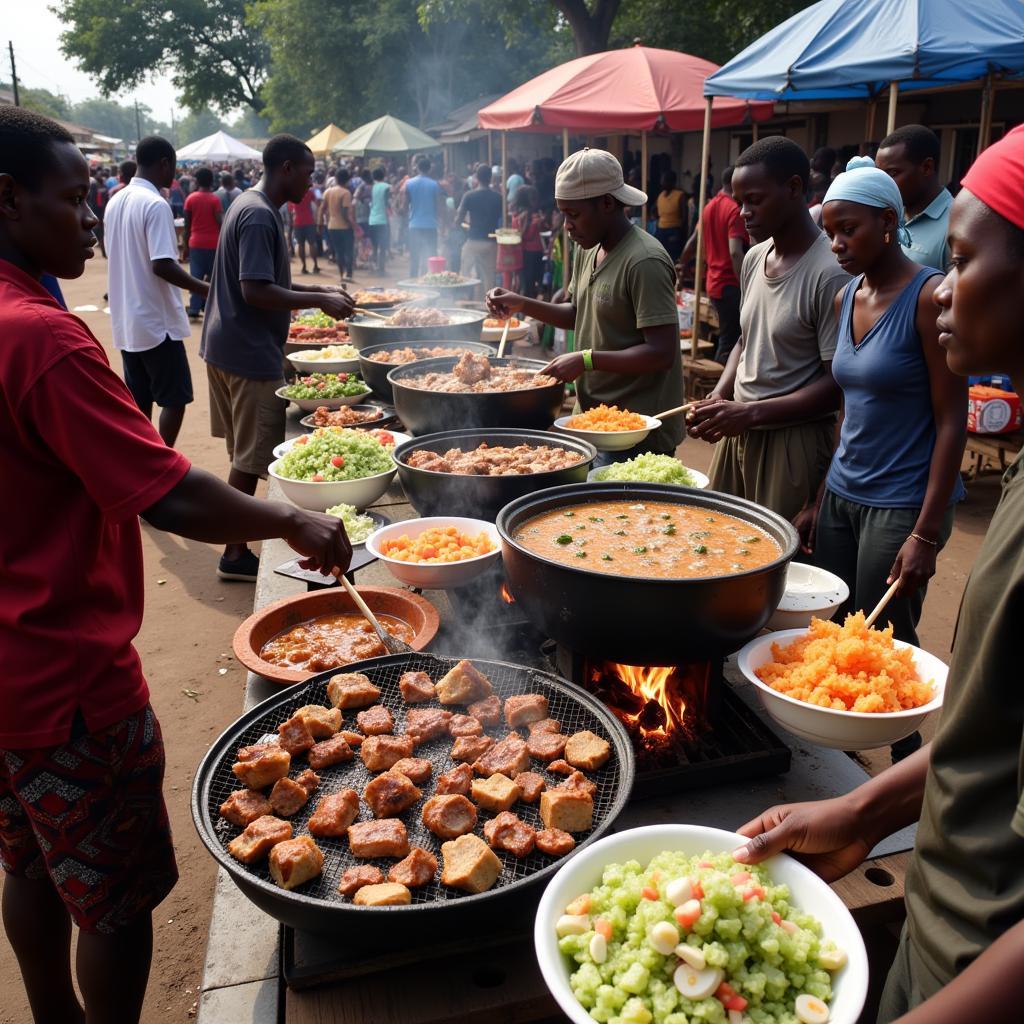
pixel 697 890
pixel 338 461
pixel 776 917
pixel 649 893
pixel 740 877
pixel 318 478
pixel 688 914
pixel 603 927
pixel 730 998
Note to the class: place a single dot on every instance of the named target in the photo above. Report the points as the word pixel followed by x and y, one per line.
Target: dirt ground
pixel 197 686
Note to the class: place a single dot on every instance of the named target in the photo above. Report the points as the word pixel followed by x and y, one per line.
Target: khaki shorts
pixel 249 416
pixel 780 469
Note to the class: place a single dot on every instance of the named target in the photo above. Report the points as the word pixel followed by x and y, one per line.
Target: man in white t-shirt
pixel 145 281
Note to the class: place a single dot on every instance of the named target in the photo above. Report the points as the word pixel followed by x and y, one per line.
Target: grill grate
pixel 574 709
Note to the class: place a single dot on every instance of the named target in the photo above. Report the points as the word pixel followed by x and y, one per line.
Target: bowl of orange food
pixel 608 428
pixel 494 326
pixel 844 686
pixel 437 552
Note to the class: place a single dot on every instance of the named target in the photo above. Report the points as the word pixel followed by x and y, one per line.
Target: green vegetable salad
pixel 326 385
pixel 331 455
pixel 650 469
pixel 357 526
pixel 316 319
pixel 696 940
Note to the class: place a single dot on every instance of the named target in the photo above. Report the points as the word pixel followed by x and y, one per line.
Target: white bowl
pixel 286 446
pixel 700 480
pixel 840 730
pixel 312 404
pixel 493 334
pixel 810 894
pixel 441 576
pixel 302 362
pixel 811 593
pixel 320 496
pixel 609 440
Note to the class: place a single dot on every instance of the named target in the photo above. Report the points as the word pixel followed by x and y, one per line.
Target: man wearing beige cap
pixel 622 302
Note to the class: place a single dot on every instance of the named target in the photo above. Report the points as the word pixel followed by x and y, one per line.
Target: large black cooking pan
pixel 636 620
pixel 435 909
pixel 460 494
pixel 431 412
pixel 466 325
pixel 376 373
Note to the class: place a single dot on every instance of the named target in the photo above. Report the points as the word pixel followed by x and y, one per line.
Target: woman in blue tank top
pixel 886 506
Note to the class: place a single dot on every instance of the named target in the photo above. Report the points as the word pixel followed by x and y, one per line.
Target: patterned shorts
pixel 90 814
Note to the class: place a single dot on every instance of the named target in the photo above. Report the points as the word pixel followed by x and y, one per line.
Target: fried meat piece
pixel 524 708
pixel 262 764
pixel 507 831
pixel 449 816
pixel 244 806
pixel 379 753
pixel 295 861
pixel 469 748
pixel 545 725
pixel 422 724
pixel 385 894
pixel 353 739
pixel 472 368
pixel 587 751
pixel 415 769
pixel 415 870
pixel 328 752
pixel 416 687
pixel 469 864
pixel 554 842
pixel 352 690
pixel 465 725
pixel 458 780
pixel 580 782
pixel 546 746
pixel 487 711
pixel 497 793
pixel 571 810
pixel 289 796
pixel 320 721
pixel 383 837
pixel 294 736
pixel 334 813
pixel 353 879
pixel 532 785
pixel 508 756
pixel 389 794
pixel 561 767
pixel 463 685
pixel 376 721
pixel 259 837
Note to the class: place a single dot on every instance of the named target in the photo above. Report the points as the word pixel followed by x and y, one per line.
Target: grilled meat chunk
pixel 532 785
pixel 422 724
pixel 487 711
pixel 465 725
pixel 469 748
pixel 546 746
pixel 352 690
pixel 580 782
pixel 554 842
pixel 509 832
pixel 524 708
pixel 415 870
pixel 415 769
pixel 379 753
pixel 416 687
pixel 545 725
pixel 320 721
pixel 244 806
pixel 376 721
pixel 508 756
pixel 295 862
pixel 463 685
pixel 294 736
pixel 458 780
pixel 334 813
pixel 449 816
pixel 353 879
pixel 259 837
pixel 261 765
pixel 587 751
pixel 384 837
pixel 289 796
pixel 327 752
pixel 389 794
pixel 561 767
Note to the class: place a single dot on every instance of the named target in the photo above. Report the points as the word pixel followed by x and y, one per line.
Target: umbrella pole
pixel 643 173
pixel 869 121
pixel 503 184
pixel 490 149
pixel 985 121
pixel 565 230
pixel 894 92
pixel 705 155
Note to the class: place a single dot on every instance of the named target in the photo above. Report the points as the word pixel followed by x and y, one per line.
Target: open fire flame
pixel 660 708
pixel 506 594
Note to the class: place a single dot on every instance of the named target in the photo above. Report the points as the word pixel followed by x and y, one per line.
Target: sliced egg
pixel 664 937
pixel 811 1010
pixel 691 956
pixel 832 959
pixel 598 949
pixel 697 984
pixel 572 924
pixel 678 891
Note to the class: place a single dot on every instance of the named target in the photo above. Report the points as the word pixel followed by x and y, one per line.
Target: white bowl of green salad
pixel 333 390
pixel 659 925
pixel 650 469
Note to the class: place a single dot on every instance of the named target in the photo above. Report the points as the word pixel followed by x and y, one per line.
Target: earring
pixel 887 238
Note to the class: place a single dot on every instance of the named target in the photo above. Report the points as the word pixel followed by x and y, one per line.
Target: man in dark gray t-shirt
pixel 247 316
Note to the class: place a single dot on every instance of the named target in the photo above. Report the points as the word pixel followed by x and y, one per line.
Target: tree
pixel 109 117
pixel 42 101
pixel 215 56
pixel 591 24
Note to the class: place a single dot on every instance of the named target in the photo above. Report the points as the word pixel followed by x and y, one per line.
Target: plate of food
pixel 329 359
pixel 608 428
pixel 358 415
pixel 650 469
pixel 845 685
pixel 380 298
pixel 661 920
pixel 389 438
pixel 495 326
pixel 316 328
pixel 328 390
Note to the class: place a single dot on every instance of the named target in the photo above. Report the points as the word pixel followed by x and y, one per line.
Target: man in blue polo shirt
pixel 910 156
pixel 425 201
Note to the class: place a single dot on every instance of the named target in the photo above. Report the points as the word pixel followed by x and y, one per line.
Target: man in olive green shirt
pixel 961 953
pixel 622 301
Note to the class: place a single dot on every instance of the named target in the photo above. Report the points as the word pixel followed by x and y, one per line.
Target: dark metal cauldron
pixel 460 494
pixel 431 412
pixel 376 373
pixel 467 325
pixel 640 620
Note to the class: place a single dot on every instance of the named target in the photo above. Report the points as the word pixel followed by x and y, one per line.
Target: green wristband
pixel 588 358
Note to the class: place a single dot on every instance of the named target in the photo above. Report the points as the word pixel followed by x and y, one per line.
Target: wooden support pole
pixel 503 184
pixel 643 173
pixel 490 149
pixel 894 93
pixel 755 132
pixel 869 120
pixel 705 157
pixel 985 121
pixel 565 230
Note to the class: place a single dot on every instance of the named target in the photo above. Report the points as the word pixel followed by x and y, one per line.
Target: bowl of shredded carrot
pixel 608 428
pixel 436 552
pixel 845 686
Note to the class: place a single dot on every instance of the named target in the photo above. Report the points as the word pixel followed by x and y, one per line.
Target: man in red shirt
pixel 725 243
pixel 84 835
pixel 203 214
pixel 304 228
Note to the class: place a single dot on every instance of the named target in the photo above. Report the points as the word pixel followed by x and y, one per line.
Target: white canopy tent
pixel 219 146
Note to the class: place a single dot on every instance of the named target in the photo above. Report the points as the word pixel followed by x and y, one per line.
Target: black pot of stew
pixel 645 574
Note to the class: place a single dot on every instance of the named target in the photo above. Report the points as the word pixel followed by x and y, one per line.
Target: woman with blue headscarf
pixel 886 507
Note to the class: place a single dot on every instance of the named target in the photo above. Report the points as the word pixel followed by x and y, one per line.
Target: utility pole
pixel 138 123
pixel 14 73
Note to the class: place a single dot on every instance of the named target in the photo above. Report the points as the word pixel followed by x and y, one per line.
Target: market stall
pixel 322 144
pixel 385 136
pixel 218 147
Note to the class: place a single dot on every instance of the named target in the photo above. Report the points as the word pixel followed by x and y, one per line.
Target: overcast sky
pixel 35 32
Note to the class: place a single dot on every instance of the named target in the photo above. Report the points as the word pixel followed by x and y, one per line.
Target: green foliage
pixel 109 117
pixel 216 58
pixel 42 101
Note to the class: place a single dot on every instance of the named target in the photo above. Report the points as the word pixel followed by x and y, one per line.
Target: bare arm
pixel 655 354
pixel 504 303
pixel 186 233
pixel 202 507
pixel 736 253
pixel 173 273
pixel 267 295
pixel 689 250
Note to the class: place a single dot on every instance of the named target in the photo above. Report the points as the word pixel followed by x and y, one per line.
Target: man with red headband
pixel 962 950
